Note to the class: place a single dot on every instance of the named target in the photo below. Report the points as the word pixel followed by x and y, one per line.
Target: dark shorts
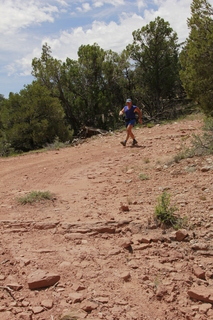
pixel 130 121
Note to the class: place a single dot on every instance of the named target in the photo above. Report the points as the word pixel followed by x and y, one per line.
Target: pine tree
pixel 197 56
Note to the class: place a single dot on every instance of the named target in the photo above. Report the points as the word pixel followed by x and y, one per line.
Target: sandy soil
pixel 98 232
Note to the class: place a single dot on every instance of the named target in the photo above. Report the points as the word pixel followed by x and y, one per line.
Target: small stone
pixel 37 310
pixel 75 297
pixel 199 273
pixel 88 306
pixel 124 207
pixel 125 276
pixel 181 234
pixel 25 316
pixel 47 304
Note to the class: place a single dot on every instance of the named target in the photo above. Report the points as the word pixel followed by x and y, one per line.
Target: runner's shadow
pixel 136 146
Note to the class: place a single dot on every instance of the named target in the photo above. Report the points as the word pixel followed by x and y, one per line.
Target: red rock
pixel 88 306
pixel 199 273
pixel 201 293
pixel 181 234
pixel 41 279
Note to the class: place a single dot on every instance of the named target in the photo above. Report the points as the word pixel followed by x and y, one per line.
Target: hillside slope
pixel 98 233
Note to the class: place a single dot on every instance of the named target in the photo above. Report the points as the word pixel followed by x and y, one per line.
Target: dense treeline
pixel 156 71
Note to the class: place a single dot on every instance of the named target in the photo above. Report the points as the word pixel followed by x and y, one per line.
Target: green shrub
pixel 164 212
pixel 5 147
pixel 35 196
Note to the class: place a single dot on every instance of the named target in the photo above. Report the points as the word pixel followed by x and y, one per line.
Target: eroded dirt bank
pixel 112 264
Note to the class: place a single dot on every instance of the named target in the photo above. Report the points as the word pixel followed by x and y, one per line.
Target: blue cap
pixel 128 100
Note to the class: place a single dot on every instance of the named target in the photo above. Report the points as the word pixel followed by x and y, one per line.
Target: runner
pixel 130 111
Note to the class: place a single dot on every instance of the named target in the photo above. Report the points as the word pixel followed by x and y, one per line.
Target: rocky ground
pixel 94 251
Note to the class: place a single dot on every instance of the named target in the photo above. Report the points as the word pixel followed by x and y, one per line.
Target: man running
pixel 130 110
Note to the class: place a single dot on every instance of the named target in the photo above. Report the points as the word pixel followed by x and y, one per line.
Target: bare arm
pixel 139 113
pixel 121 112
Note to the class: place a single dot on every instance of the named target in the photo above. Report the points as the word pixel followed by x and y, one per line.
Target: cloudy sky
pixel 25 25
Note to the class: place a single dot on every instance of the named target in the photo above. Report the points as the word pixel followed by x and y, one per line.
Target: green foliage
pixel 197 56
pixel 52 74
pixel 164 212
pixel 33 118
pixel 155 53
pixel 5 147
pixel 88 89
pixel 35 196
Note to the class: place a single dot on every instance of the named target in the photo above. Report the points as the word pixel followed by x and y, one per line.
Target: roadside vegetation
pixel 165 213
pixel 35 196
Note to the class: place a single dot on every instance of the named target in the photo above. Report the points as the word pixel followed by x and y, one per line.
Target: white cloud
pixel 22 14
pixel 84 8
pixel 175 12
pixel 25 25
pixel 114 36
pixel 97 4
pixel 111 2
pixel 141 4
pixel 63 3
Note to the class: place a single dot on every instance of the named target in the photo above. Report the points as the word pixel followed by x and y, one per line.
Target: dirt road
pixel 98 232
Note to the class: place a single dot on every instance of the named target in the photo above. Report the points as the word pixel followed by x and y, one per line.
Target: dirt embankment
pixel 96 240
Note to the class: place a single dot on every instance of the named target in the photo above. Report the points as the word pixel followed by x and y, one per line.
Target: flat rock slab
pixel 42 279
pixel 201 293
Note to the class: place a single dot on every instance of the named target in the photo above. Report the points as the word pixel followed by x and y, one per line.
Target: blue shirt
pixel 129 113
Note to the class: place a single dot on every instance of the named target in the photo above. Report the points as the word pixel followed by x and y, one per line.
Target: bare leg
pixel 129 132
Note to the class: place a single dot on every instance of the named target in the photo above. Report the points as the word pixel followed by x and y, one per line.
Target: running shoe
pixel 134 142
pixel 123 143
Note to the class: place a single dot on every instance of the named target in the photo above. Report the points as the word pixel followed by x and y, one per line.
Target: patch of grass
pixel 57 144
pixel 202 198
pixel 146 160
pixel 143 176
pixel 190 169
pixel 181 223
pixel 201 145
pixel 35 196
pixel 150 125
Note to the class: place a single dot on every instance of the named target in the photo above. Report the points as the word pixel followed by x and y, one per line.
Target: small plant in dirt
pixel 146 160
pixel 35 196
pixel 143 176
pixel 164 211
pixel 150 125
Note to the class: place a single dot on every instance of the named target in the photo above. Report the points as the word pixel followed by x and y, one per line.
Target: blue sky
pixel 25 25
